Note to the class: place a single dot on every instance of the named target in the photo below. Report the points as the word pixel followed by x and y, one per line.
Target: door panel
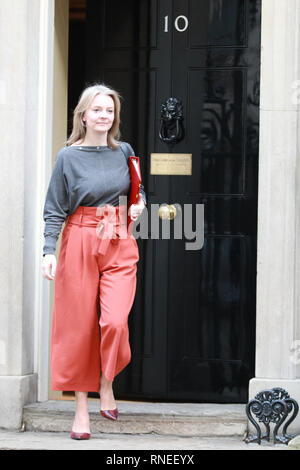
pixel 213 317
pixel 192 326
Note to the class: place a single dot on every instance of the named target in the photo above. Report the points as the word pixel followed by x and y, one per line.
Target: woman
pixel 94 268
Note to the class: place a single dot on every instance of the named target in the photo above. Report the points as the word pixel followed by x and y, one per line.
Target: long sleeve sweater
pixel 84 176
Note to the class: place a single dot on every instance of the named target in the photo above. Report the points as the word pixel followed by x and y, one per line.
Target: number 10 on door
pixel 181 23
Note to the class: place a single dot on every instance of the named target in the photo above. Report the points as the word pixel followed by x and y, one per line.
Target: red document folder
pixel 136 180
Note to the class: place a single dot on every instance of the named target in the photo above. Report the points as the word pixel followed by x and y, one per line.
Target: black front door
pixel 192 326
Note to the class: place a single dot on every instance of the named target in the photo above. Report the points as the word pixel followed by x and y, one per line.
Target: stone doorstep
pixel 180 419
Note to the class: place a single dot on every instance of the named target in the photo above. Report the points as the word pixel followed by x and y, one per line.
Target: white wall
pixel 26 32
pixel 278 258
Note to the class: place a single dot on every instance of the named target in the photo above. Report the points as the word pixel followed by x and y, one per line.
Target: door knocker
pixel 171 117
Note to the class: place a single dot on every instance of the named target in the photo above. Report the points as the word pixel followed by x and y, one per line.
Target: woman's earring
pixel 83 123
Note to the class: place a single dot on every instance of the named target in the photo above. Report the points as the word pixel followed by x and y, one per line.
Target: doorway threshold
pixel 181 419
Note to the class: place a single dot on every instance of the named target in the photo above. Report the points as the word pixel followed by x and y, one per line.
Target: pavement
pixel 28 440
pixel 173 428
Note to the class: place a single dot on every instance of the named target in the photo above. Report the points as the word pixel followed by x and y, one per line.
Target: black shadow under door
pixel 192 326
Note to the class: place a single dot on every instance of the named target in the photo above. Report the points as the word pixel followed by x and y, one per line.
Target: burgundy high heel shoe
pixel 110 414
pixel 79 436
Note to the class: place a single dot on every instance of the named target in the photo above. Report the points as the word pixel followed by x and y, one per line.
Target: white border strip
pixel 44 168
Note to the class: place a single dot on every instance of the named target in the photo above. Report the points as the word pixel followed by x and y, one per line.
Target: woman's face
pixel 99 117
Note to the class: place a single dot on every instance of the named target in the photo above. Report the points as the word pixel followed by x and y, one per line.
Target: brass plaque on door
pixel 171 164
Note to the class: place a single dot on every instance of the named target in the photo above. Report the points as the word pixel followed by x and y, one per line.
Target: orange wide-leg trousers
pixel 96 273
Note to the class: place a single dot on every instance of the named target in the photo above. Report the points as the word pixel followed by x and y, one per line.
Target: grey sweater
pixel 84 176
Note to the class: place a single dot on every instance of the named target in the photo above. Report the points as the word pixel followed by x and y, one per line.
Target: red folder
pixel 136 180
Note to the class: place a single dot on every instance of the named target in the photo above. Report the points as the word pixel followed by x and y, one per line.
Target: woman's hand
pixel 135 210
pixel 49 266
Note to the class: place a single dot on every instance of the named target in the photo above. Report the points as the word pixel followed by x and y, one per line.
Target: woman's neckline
pixel 90 147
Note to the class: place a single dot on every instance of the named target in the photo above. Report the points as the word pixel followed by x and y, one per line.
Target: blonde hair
pixel 86 98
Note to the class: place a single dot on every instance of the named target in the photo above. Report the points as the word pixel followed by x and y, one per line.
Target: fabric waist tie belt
pixel 110 223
